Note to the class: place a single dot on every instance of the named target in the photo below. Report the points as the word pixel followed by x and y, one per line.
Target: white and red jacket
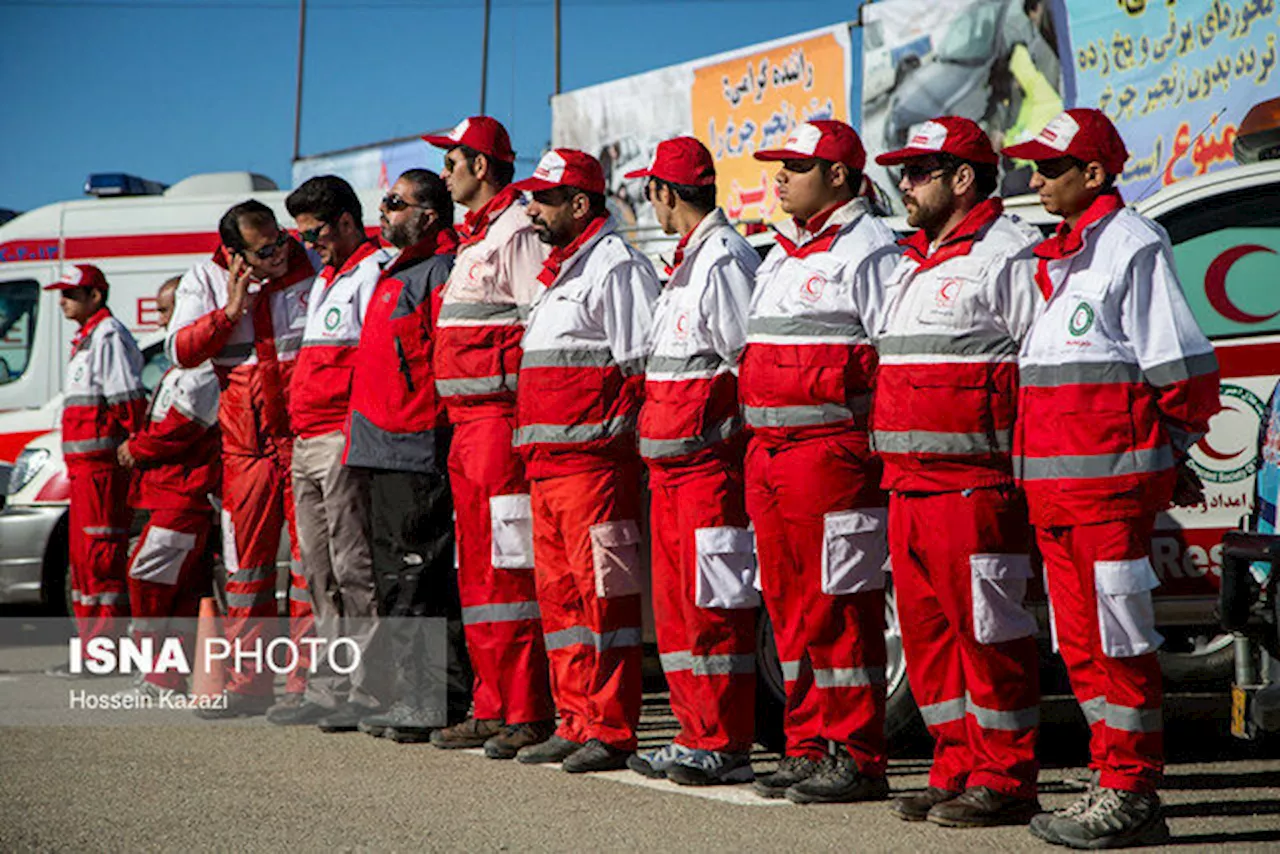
pixel 1117 380
pixel 179 450
pixel 947 386
pixel 699 329
pixel 104 399
pixel 483 309
pixel 809 362
pixel 336 306
pixel 254 356
pixel 582 372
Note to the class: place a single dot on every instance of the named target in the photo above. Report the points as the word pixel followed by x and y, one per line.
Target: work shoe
pixel 63 671
pixel 1115 819
pixel 791 770
pixel 1039 825
pixel 473 732
pixel 655 763
pixel 983 807
pixel 554 749
pixel 595 755
pixel 838 781
pixel 506 744
pixel 143 692
pixel 916 807
pixel 377 724
pixel 345 718
pixel 303 714
pixel 288 700
pixel 236 706
pixel 711 768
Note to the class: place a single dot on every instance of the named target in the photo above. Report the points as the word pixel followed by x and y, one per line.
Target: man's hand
pixel 124 456
pixel 239 300
pixel 1188 491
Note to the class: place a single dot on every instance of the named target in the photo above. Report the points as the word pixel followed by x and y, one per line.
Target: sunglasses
pixel 312 235
pixel 1057 167
pixel 918 174
pixel 394 203
pixel 264 253
pixel 799 167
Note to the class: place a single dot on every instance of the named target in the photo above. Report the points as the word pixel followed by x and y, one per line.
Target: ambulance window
pixel 1252 207
pixel 154 366
pixel 19 302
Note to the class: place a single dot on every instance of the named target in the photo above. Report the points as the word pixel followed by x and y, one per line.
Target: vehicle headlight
pixel 25 468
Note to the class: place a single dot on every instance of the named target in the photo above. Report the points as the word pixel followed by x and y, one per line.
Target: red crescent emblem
pixel 811 291
pixel 1215 285
pixel 1212 452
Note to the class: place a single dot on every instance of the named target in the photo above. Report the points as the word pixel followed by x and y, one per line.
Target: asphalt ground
pixel 160 780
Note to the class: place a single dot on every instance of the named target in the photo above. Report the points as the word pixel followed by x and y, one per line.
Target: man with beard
pixel 581 380
pixel 961 301
pixel 243 310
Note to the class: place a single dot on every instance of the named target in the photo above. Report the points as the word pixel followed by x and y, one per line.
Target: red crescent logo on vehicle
pixel 1215 285
pixel 1212 452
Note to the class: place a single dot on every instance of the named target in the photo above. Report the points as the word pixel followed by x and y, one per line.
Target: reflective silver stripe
pixel 236 351
pixel 929 442
pixel 109 597
pixel 1079 373
pixel 583 636
pixel 126 396
pixel 656 449
pixel 848 677
pixel 1010 721
pixel 1097 465
pixel 945 712
pixel 250 574
pixel 812 326
pixel 790 670
pixel 249 600
pixel 567 359
pixel 632 367
pixel 191 414
pixel 478 311
pixel 105 531
pixel 532 434
pixel 700 363
pixel 84 446
pixel 83 400
pixel 1130 719
pixel 475 385
pixel 970 344
pixel 1095 710
pixel 799 416
pixel 1181 370
pixel 708 665
pixel 149 625
pixel 299 594
pixel 507 612
pixel 330 342
pixel 295 566
pixel 288 343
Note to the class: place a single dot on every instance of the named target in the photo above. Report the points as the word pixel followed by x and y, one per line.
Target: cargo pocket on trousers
pixel 999 585
pixel 725 574
pixel 854 551
pixel 1126 615
pixel 511 523
pixel 615 553
pixel 160 557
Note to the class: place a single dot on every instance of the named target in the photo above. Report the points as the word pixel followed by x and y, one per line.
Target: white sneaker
pixel 711 768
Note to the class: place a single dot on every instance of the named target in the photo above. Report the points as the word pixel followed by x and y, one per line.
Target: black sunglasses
pixel 311 235
pixel 1058 167
pixel 918 173
pixel 799 167
pixel 264 253
pixel 395 203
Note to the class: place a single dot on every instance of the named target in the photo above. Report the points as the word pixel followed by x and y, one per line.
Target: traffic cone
pixel 208 678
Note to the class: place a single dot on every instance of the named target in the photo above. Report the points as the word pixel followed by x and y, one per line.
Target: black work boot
pixel 916 807
pixel 983 807
pixel 1115 819
pixel 554 749
pixel 473 732
pixel 791 770
pixel 345 718
pixel 237 706
pixel 377 724
pixel 506 744
pixel 595 755
pixel 838 781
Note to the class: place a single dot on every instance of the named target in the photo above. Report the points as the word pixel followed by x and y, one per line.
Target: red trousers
pixel 496 583
pixel 1100 580
pixel 699 525
pixel 257 502
pixel 819 518
pixel 586 544
pixel 960 569
pixel 98 549
pixel 167 576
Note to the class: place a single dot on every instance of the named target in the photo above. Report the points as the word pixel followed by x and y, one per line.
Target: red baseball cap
pixel 952 135
pixel 681 160
pixel 79 276
pixel 482 133
pixel 1085 134
pixel 825 139
pixel 565 167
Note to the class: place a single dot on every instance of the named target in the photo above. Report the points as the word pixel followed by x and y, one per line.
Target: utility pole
pixel 557 37
pixel 297 101
pixel 484 58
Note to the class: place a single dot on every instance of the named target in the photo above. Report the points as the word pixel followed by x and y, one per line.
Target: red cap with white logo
pixel 480 133
pixel 79 276
pixel 682 160
pixel 822 138
pixel 952 135
pixel 565 167
pixel 1081 133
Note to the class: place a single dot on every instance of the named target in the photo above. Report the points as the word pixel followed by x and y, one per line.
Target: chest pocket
pixel 949 301
pixel 475 278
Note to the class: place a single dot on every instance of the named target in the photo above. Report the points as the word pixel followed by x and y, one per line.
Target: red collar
pixel 476 223
pixel 670 269
pixel 363 251
pixel 959 241
pixel 815 223
pixel 82 335
pixel 443 242
pixel 820 243
pixel 560 254
pixel 1067 241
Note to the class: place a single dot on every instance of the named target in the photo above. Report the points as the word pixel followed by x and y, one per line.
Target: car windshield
pixel 872 36
pixel 19 302
pixel 971 37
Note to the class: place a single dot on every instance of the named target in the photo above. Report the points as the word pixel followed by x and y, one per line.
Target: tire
pixel 55 581
pixel 1198 656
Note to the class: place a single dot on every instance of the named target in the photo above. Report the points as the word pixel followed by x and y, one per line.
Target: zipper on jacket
pixel 404 364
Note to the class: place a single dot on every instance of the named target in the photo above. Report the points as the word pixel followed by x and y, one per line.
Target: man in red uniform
pixel 104 403
pixel 476 358
pixel 703 557
pixel 813 489
pixel 581 379
pixel 1117 383
pixel 962 300
pixel 177 456
pixel 242 311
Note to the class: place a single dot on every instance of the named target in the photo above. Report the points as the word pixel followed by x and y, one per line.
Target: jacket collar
pixel 690 242
pixel 959 241
pixel 439 242
pixel 1067 241
pixel 82 335
pixel 476 223
pixel 563 257
pixel 363 251
pixel 801 240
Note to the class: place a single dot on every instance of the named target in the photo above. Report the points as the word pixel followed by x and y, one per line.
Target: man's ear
pixel 963 178
pixel 480 167
pixel 1095 176
pixel 581 206
pixel 838 175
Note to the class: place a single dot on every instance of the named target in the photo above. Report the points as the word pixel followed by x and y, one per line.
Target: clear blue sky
pixel 167 88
